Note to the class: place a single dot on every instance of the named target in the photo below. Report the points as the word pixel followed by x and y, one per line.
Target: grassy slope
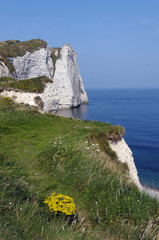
pixel 42 154
pixel 19 49
pixel 30 85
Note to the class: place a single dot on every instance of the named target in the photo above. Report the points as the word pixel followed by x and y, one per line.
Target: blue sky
pixel 117 41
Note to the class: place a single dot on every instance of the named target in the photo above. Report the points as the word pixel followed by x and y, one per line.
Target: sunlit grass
pixel 30 85
pixel 41 154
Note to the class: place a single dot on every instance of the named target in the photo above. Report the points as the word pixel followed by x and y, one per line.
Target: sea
pixel 137 110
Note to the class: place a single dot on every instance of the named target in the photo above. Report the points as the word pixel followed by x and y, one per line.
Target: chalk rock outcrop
pixel 124 155
pixel 46 101
pixel 83 94
pixel 4 71
pixel 67 79
pixel 65 91
pixel 33 65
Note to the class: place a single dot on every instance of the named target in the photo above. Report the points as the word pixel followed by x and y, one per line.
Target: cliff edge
pixel 124 155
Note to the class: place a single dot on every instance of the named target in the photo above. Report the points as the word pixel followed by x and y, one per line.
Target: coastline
pixel 80 113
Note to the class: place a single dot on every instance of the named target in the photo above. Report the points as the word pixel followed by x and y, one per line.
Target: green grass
pixel 12 41
pixel 42 154
pixel 54 57
pixel 30 85
pixel 15 49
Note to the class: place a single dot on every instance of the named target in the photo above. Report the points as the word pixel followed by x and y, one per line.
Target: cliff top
pixel 15 48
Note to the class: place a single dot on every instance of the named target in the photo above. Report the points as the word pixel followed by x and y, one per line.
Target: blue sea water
pixel 137 110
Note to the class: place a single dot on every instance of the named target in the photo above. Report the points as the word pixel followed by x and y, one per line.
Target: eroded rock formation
pixel 124 155
pixel 65 91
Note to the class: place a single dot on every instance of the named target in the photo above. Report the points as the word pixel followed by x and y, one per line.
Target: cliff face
pixel 67 79
pixel 33 65
pixel 124 155
pixel 4 71
pixel 66 89
pixel 46 101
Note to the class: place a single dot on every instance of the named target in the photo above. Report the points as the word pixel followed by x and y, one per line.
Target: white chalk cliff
pixel 67 79
pixel 124 155
pixel 65 91
pixel 33 65
pixel 49 97
pixel 4 71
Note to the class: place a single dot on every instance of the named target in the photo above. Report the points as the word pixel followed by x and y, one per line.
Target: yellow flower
pixel 60 203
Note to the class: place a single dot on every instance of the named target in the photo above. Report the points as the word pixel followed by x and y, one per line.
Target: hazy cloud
pixel 148 20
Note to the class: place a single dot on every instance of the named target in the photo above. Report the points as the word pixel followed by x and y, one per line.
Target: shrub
pixel 12 41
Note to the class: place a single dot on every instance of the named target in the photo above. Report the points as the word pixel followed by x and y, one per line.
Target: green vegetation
pixel 39 102
pixel 30 85
pixel 16 48
pixel 54 57
pixel 12 41
pixel 41 154
pixel 2 43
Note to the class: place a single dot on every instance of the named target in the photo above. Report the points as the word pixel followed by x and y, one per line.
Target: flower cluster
pixel 93 146
pixel 60 203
